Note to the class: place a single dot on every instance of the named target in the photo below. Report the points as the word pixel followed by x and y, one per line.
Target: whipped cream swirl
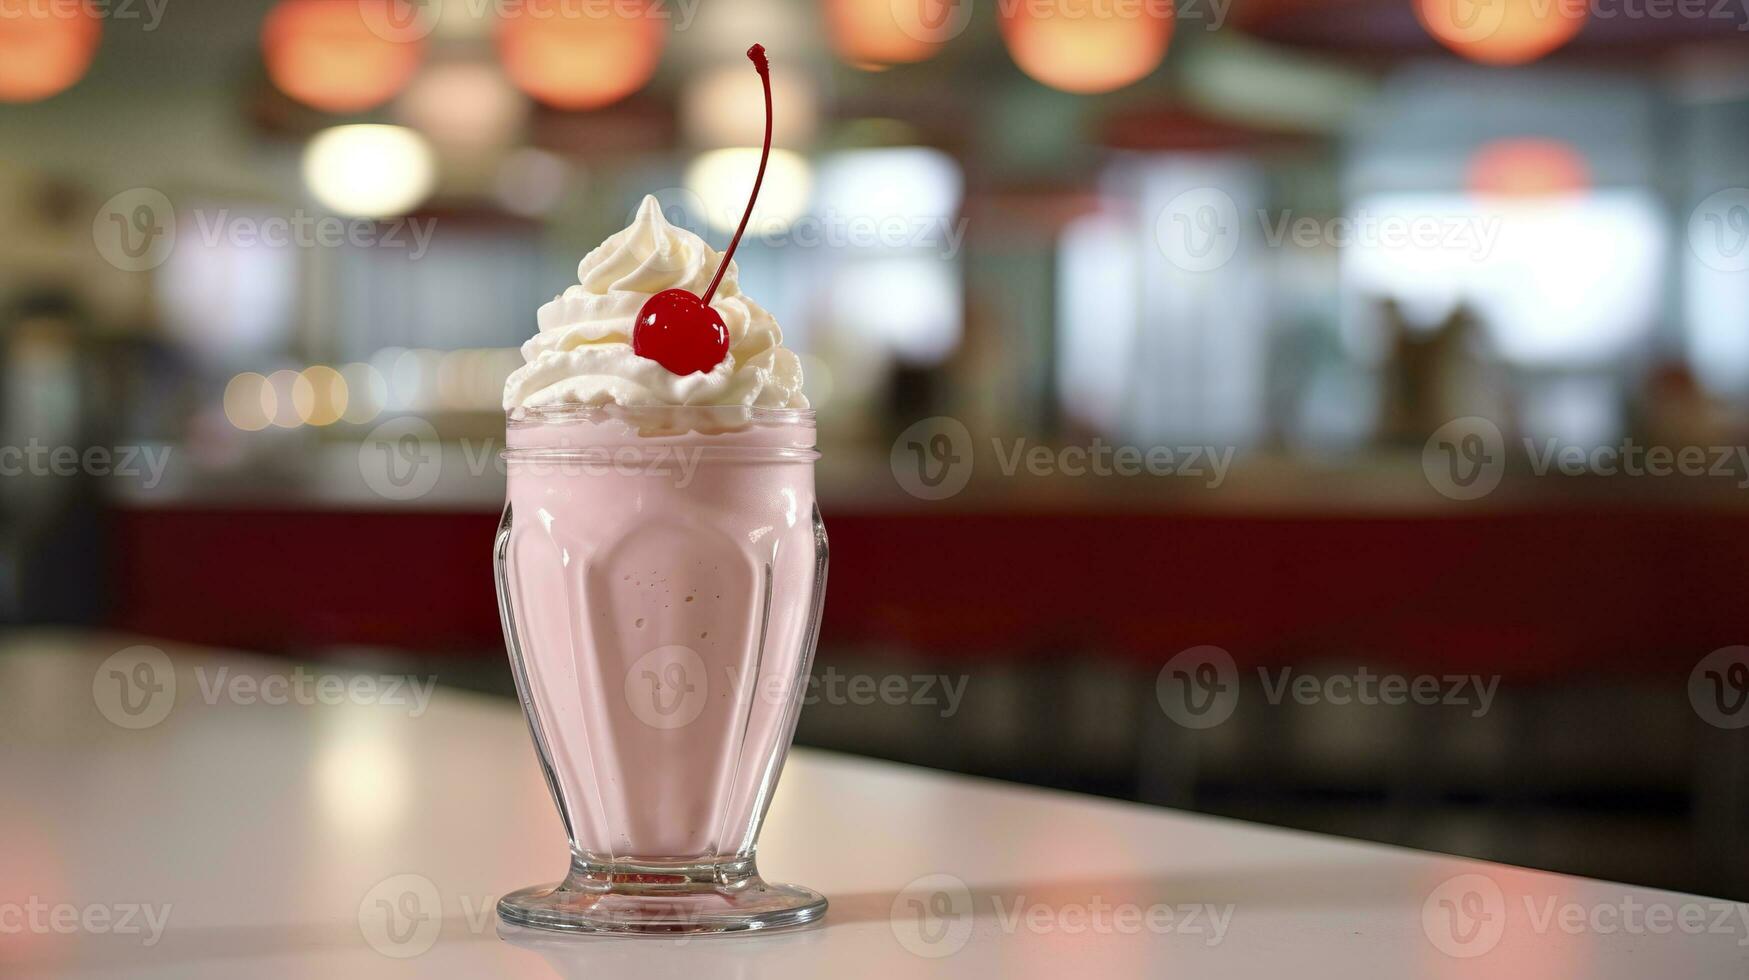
pixel 583 352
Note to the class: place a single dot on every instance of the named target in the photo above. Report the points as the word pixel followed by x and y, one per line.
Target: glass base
pixel 662 900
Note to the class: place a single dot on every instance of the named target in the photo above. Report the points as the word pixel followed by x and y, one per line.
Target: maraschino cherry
pixel 681 331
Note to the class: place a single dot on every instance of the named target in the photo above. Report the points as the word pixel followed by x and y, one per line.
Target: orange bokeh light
pixel 1087 46
pixel 44 49
pixel 587 58
pixel 869 34
pixel 1528 167
pixel 1502 32
pixel 325 55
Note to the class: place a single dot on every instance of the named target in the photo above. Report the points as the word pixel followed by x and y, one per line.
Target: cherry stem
pixel 757 54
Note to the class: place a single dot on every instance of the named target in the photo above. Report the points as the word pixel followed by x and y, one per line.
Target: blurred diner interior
pixel 1308 266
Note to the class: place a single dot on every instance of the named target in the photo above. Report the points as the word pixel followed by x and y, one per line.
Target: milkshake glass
pixel 660 573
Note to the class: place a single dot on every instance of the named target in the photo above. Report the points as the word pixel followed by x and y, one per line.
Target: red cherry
pixel 681 331
pixel 677 330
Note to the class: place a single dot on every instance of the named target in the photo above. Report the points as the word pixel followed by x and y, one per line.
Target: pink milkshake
pixel 660 567
pixel 661 587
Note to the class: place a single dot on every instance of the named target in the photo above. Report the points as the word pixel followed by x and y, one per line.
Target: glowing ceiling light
pixel 250 402
pixel 1501 32
pixel 325 54
pixel 726 107
pixel 1086 46
pixel 583 56
pixel 463 104
pixel 531 182
pixel 319 395
pixel 283 383
pixel 1527 168
pixel 917 185
pixel 875 34
pixel 722 178
pixel 366 392
pixel 369 171
pixel 45 48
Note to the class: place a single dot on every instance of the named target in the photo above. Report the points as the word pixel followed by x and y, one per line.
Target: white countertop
pixel 236 838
